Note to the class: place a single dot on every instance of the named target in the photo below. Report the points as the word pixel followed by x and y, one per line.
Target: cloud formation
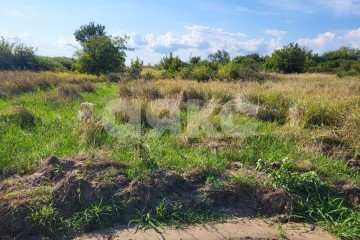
pixel 208 39
pixel 332 40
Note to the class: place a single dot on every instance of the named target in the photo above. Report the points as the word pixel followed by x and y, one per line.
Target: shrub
pixel 186 73
pixel 16 56
pixel 289 59
pixel 171 65
pixel 202 73
pixel 136 68
pixel 221 57
pixel 148 76
pixel 114 77
pixel 228 71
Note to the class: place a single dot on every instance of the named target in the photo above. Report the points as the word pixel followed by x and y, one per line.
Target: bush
pixel 186 73
pixel 228 71
pixel 136 68
pixel 114 77
pixel 289 59
pixel 149 76
pixel 171 65
pixel 17 56
pixel 203 73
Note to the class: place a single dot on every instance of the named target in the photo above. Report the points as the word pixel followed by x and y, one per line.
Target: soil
pixel 238 228
pixel 73 185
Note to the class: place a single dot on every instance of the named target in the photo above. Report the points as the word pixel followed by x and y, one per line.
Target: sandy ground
pixel 239 228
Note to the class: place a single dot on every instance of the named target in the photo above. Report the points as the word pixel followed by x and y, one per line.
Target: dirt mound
pixel 333 147
pixel 73 186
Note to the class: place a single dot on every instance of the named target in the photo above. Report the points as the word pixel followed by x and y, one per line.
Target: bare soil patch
pixel 238 228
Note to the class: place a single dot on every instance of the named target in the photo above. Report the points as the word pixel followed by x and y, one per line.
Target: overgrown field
pixel 163 142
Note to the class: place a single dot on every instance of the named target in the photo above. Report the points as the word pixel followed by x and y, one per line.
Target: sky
pixel 186 28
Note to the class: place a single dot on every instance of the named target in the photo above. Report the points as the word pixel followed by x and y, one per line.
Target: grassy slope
pixel 57 128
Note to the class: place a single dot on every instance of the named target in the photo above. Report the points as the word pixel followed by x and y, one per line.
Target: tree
pixel 17 56
pixel 221 57
pixel 100 53
pixel 87 32
pixel 194 60
pixel 290 59
pixel 136 68
pixel 171 65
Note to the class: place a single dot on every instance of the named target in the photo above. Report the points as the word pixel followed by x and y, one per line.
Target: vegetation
pixel 143 148
pixel 48 116
pixel 100 53
pixel 20 57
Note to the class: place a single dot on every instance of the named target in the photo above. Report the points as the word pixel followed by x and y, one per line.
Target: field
pixel 79 153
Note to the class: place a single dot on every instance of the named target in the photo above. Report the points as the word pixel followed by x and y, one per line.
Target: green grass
pixel 57 131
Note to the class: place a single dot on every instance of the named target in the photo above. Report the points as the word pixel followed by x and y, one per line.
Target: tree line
pixel 101 53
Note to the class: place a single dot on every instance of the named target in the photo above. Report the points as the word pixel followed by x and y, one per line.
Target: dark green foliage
pixel 136 68
pixel 55 63
pixel 20 57
pixel 221 57
pixel 194 60
pixel 289 59
pixel 87 32
pixel 113 77
pixel 16 56
pixel 171 65
pixel 101 54
pixel 203 73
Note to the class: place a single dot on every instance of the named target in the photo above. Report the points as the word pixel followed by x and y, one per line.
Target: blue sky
pixel 187 28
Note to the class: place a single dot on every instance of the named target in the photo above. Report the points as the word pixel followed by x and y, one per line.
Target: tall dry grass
pixel 302 101
pixel 17 82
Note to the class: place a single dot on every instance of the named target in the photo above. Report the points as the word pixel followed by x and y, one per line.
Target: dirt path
pixel 239 228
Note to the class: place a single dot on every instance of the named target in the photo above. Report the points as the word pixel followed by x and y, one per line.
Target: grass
pixel 39 118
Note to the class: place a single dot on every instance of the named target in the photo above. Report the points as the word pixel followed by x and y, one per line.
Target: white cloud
pixel 207 39
pixel 332 40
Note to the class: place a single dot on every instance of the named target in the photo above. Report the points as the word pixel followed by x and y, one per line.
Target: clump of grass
pixel 321 115
pixel 272 106
pixel 121 117
pixel 152 93
pixel 125 91
pixel 86 86
pixel 92 130
pixel 20 116
pixel 315 202
pixel 68 92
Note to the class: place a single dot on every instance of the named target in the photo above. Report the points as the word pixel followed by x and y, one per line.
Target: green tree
pixel 171 65
pixel 87 32
pixel 290 59
pixel 135 68
pixel 194 60
pixel 100 53
pixel 221 57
